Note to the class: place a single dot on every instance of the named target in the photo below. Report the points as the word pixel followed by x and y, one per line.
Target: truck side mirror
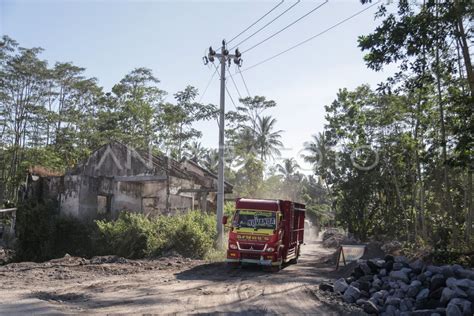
pixel 224 220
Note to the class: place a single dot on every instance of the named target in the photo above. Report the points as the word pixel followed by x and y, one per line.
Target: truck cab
pixel 265 232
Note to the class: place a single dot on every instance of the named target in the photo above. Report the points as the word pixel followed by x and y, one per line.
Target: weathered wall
pixel 154 197
pixel 88 197
pixel 180 204
pixel 69 198
pixel 127 196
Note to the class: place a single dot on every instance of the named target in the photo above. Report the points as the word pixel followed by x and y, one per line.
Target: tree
pixel 291 177
pixel 267 140
pixel 22 91
pixel 317 152
pixel 175 121
pixel 195 151
pixel 139 102
pixel 420 39
pixel 252 109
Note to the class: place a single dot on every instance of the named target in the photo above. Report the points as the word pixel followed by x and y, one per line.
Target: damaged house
pixel 116 177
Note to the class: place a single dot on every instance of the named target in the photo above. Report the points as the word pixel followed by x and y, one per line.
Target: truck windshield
pixel 254 219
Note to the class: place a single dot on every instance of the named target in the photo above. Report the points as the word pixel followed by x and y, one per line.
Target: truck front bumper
pixel 261 261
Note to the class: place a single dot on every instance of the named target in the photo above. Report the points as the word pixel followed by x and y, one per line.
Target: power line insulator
pixel 205 60
pixel 237 53
pixel 238 61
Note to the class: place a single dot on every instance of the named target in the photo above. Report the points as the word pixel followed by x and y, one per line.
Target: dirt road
pixel 170 285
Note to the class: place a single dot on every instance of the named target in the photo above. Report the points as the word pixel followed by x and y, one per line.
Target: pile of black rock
pixel 395 286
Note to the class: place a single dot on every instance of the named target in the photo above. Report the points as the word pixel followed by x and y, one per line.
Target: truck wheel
pixel 295 260
pixel 275 269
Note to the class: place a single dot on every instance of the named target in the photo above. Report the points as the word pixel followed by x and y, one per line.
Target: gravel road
pixel 168 285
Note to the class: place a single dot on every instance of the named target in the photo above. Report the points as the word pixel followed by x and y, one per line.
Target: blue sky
pixel 110 38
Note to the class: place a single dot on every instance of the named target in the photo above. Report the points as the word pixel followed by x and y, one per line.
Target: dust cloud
pixel 311 232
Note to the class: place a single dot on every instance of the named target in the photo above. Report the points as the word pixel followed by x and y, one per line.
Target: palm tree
pixel 246 141
pixel 291 177
pixel 195 151
pixel 317 150
pixel 267 141
pixel 288 169
pixel 211 160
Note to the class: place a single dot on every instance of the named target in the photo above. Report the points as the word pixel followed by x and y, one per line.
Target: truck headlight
pixel 233 246
pixel 270 249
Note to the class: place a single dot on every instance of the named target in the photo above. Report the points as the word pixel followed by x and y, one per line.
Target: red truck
pixel 265 232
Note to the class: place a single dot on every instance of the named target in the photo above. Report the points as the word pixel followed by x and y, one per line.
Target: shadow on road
pixel 308 270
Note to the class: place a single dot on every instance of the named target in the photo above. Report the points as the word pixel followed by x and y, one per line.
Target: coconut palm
pixel 291 178
pixel 211 160
pixel 195 151
pixel 289 169
pixel 267 140
pixel 317 150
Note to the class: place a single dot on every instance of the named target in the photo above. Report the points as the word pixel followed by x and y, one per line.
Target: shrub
pixel 43 234
pixel 131 235
pixel 134 235
pixel 195 234
pixel 74 237
pixel 35 231
pixel 229 209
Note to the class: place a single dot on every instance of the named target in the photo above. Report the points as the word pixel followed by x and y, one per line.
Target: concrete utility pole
pixel 225 58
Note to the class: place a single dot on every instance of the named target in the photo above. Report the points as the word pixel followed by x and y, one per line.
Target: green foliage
pixel 43 234
pixel 134 235
pixel 35 230
pixel 229 208
pixel 73 237
pixel 54 116
pixel 194 235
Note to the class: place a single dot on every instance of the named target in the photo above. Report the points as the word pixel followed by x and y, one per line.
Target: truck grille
pixel 253 256
pixel 251 246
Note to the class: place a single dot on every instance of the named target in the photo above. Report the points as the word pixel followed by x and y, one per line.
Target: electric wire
pixel 261 18
pixel 228 93
pixel 312 37
pixel 207 86
pixel 286 27
pixel 230 96
pixel 253 34
pixel 235 85
pixel 245 84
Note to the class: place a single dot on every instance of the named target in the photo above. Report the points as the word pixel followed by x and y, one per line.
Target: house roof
pixel 205 170
pixel 159 162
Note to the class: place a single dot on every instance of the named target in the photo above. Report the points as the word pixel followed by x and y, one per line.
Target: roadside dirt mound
pixel 374 250
pixel 334 237
pixel 69 267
